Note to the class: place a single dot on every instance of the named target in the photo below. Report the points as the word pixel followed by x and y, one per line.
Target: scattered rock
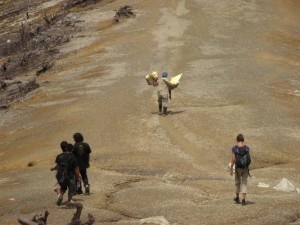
pixel 124 11
pixel 157 220
pixel 31 164
pixel 285 185
pixel 263 185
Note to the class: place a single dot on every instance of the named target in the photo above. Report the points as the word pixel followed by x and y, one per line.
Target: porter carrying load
pixel 172 84
pixel 164 88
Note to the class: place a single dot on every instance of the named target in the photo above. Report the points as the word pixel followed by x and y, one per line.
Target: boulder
pixel 285 185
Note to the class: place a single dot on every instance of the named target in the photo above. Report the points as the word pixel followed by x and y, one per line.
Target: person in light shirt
pixel 163 94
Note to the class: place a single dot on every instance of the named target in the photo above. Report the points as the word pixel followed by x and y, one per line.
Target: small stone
pixel 157 220
pixel 263 185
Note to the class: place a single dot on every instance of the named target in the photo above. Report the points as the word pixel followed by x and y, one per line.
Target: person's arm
pixel 77 173
pixel 232 163
pixel 56 163
pixel 88 161
pixel 155 83
pixel 54 168
pixel 88 155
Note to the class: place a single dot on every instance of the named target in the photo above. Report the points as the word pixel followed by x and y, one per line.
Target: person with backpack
pixel 163 94
pixel 67 174
pixel 82 152
pixel 241 159
pixel 63 146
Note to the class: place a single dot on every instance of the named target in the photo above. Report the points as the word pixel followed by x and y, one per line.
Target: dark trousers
pixel 85 179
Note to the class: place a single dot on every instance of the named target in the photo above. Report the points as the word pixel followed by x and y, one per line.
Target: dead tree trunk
pixel 39 219
pixel 76 218
pixel 42 220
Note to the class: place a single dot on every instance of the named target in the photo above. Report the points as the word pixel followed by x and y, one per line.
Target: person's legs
pixel 244 178
pixel 57 188
pixel 165 105
pixel 84 176
pixel 237 179
pixel 71 192
pixel 60 198
pixel 159 99
pixel 63 188
pixel 85 180
pixel 79 188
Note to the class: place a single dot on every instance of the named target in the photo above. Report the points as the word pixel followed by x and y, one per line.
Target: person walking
pixel 82 152
pixel 241 159
pixel 67 174
pixel 63 146
pixel 163 93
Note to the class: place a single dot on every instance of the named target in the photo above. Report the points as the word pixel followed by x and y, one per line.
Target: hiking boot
pixel 59 200
pixel 164 111
pixel 159 110
pixel 87 189
pixel 237 200
pixel 79 192
pixel 243 202
pixel 70 204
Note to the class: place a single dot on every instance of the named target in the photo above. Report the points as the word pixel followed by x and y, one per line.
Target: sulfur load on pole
pixel 174 82
pixel 151 77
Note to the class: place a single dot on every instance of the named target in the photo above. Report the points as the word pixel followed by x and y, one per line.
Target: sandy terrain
pixel 240 65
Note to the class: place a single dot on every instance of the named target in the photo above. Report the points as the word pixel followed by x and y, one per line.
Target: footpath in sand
pixel 240 65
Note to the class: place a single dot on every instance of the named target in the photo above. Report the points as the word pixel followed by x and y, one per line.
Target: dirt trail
pixel 143 165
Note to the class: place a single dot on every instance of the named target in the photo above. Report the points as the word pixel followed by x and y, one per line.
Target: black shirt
pixel 82 151
pixel 69 160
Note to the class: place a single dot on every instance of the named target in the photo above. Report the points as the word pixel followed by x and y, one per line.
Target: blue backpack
pixel 242 157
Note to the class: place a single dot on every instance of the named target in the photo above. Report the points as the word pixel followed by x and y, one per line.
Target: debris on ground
pixel 123 11
pixel 42 219
pixel 32 45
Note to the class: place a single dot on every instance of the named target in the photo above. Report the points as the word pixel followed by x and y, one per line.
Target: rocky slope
pixel 240 74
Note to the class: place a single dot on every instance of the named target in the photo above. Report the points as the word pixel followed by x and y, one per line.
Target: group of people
pixel 71 169
pixel 71 165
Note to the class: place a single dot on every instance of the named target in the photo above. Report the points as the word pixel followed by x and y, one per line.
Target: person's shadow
pixel 247 203
pixel 170 113
pixel 174 112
